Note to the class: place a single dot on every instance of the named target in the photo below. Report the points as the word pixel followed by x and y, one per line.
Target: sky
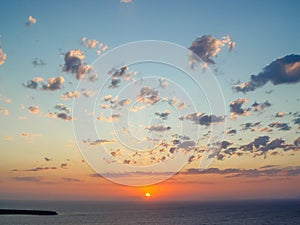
pixel 186 100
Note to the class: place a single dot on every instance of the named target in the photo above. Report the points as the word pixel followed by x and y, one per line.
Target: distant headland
pixel 27 212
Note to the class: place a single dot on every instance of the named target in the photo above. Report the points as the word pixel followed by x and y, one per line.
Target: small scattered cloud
pixel 2 56
pixel 30 20
pixel 119 73
pixel 52 84
pixel 63 108
pixel 64 116
pixel 88 94
pixel 34 109
pixel 47 159
pixel 38 62
pixel 148 95
pixel 250 125
pixel 285 70
pixel 94 44
pixel 158 128
pixel 163 115
pixel 231 131
pixel 70 94
pixel 64 165
pixel 260 106
pixel 280 126
pixel 5 112
pixel 126 1
pixel 25 135
pixel 280 114
pixel 236 108
pixel 109 119
pixel 203 119
pixel 163 83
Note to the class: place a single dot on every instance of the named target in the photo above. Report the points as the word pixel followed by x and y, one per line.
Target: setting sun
pixel 147 195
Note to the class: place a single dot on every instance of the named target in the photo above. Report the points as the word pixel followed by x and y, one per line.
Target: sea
pixel 271 212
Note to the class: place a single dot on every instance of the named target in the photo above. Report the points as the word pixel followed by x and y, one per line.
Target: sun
pixel 147 195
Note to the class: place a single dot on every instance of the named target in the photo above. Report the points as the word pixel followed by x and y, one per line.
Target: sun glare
pixel 147 194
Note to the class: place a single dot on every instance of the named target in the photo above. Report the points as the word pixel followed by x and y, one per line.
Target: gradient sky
pixel 39 156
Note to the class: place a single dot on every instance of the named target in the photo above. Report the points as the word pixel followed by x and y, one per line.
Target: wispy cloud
pixel 28 179
pixel 99 142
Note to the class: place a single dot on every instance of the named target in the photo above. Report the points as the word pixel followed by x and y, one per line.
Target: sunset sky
pixel 77 127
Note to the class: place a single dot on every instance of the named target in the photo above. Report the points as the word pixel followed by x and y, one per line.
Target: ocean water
pixel 158 213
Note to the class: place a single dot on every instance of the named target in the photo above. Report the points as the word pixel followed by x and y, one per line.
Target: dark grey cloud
pixel 250 125
pixel 114 83
pixel 231 131
pixel 296 121
pixel 260 106
pixel 163 115
pixel 64 116
pixel 158 128
pixel 119 72
pixel 225 144
pixel 61 107
pixel 203 119
pixel 285 70
pixel 280 125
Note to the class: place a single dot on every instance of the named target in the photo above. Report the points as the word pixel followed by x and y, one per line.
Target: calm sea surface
pixel 174 213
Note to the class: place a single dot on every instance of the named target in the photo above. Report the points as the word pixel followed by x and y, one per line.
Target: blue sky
pixel 263 31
